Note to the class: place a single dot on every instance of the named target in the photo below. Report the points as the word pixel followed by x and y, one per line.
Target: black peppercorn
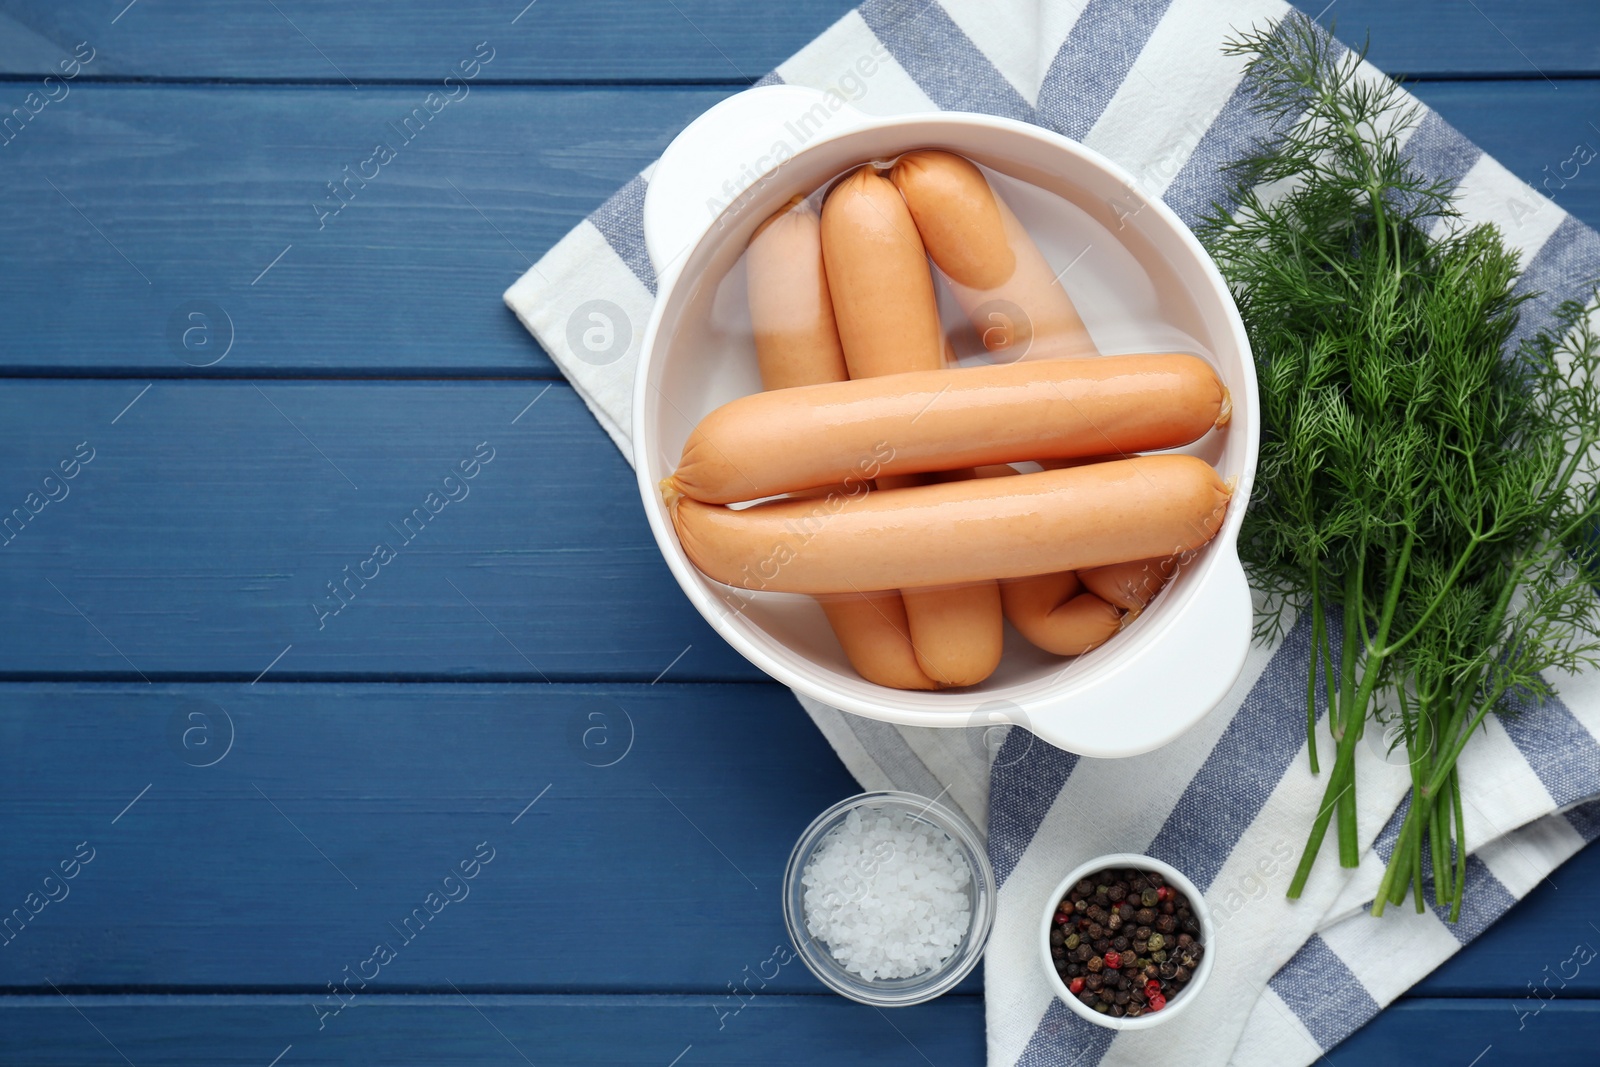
pixel 1150 926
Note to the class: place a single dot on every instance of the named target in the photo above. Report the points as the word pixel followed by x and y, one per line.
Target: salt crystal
pixel 887 894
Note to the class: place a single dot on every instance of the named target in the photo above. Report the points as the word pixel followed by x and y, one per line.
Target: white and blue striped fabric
pixel 1145 82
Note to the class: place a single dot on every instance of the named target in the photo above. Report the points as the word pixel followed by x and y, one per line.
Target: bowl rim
pixel 1207 938
pixel 967 955
pixel 1043 708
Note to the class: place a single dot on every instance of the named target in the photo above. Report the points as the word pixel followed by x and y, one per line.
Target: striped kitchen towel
pixel 1145 82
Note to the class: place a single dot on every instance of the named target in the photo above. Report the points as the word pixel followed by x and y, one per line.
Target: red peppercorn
pixel 1158 1002
pixel 1152 988
pixel 1061 920
pixel 1113 960
pixel 1164 893
pixel 1076 985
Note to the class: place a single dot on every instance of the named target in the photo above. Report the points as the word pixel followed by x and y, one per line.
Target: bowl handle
pixel 1200 658
pixel 724 153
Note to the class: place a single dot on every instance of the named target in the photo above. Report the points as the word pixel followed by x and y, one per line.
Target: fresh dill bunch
pixel 1418 494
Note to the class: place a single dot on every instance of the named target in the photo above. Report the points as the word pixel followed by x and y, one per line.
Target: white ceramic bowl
pixel 1174 877
pixel 731 169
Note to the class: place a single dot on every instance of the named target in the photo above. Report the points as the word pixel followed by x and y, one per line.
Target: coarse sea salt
pixel 887 893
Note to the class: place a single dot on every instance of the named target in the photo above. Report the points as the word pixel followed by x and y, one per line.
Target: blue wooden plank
pixel 264 837
pixel 1468 1032
pixel 217 524
pixel 473 1029
pixel 547 40
pixel 688 39
pixel 126 205
pixel 1446 38
pixel 202 188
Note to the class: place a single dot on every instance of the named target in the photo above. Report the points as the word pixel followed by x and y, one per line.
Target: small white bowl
pixel 1175 878
pixel 730 170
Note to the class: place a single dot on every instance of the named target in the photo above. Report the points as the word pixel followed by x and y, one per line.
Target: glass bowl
pixel 893 992
pixel 1174 877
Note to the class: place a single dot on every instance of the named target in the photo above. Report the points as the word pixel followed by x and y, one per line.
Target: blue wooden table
pixel 512 754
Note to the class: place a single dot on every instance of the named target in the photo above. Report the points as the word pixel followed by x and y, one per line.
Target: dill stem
pixel 1342 770
pixel 1356 716
pixel 1438 834
pixel 1461 847
pixel 1311 670
pixel 1396 861
pixel 1347 664
pixel 1416 875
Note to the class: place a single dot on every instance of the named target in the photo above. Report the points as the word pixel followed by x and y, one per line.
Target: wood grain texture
pixel 651 862
pixel 471 1029
pixel 124 204
pixel 547 40
pixel 202 538
pixel 625 40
